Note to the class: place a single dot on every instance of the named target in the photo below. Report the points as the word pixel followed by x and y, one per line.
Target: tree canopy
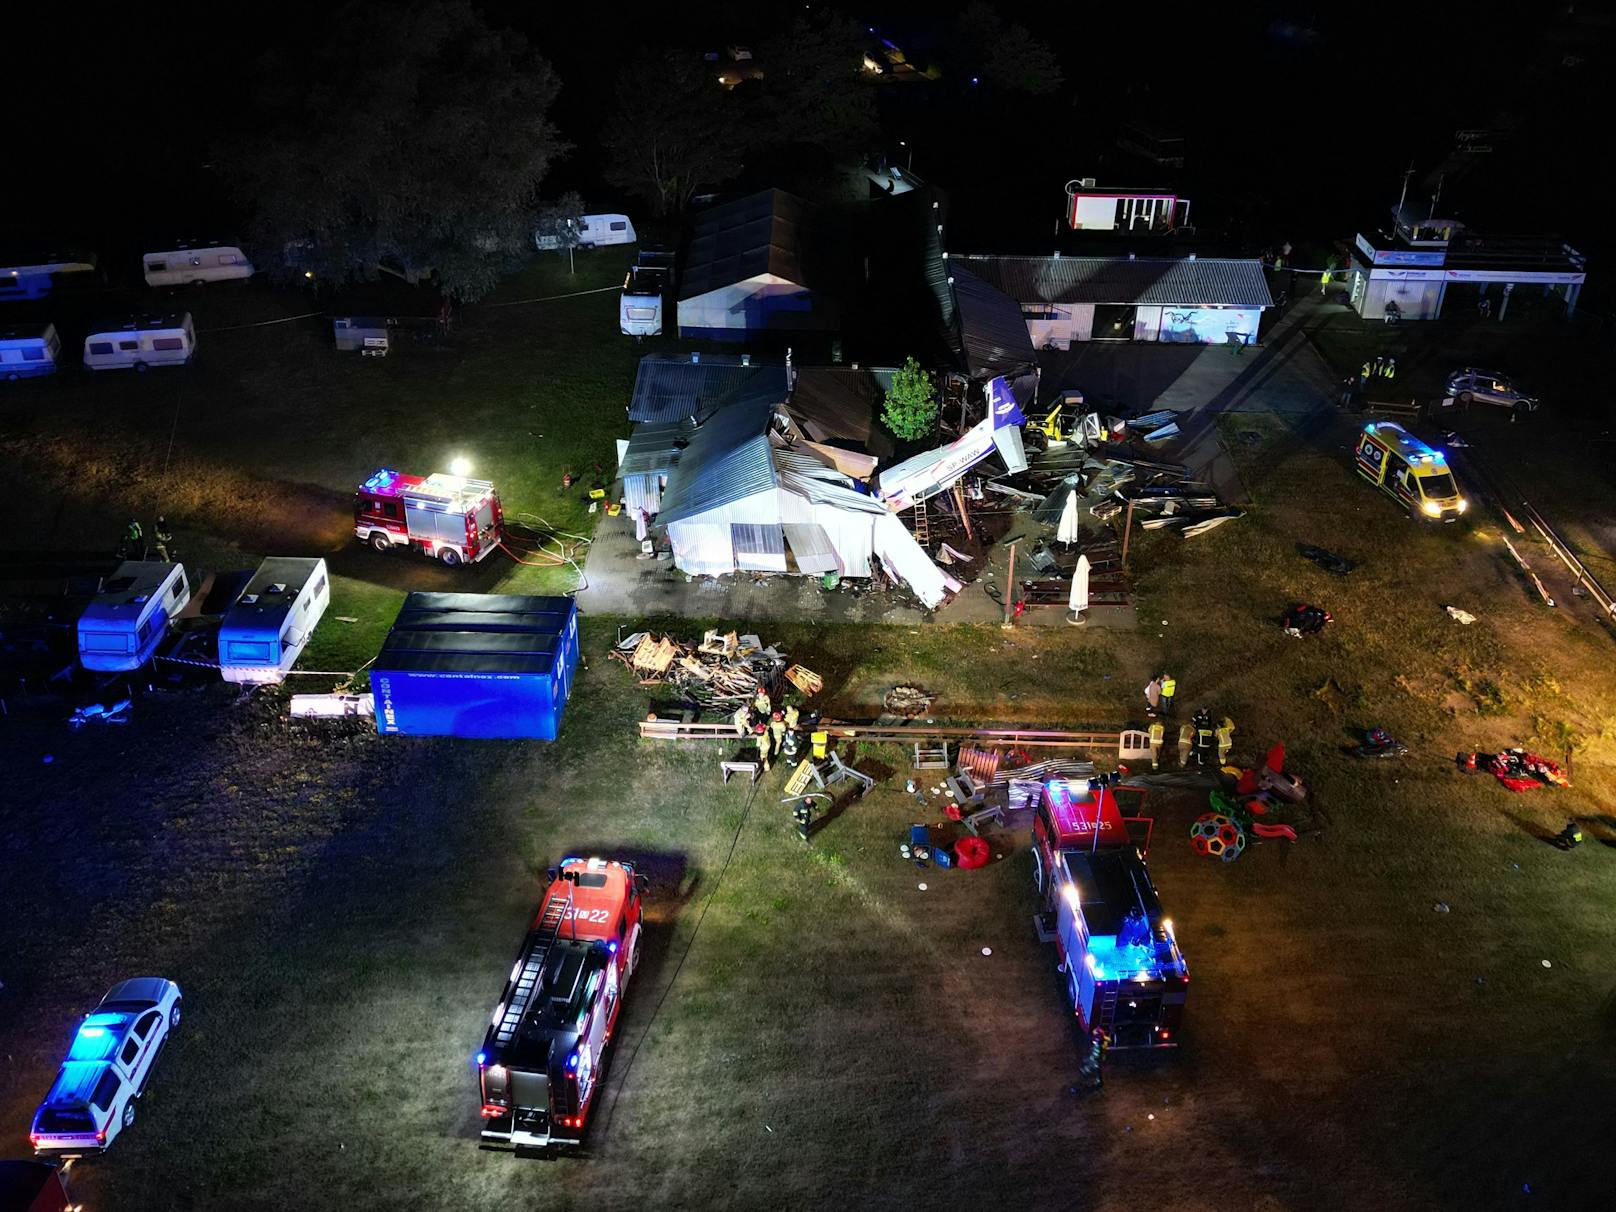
pixel 910 408
pixel 1004 53
pixel 419 136
pixel 814 91
pixel 674 129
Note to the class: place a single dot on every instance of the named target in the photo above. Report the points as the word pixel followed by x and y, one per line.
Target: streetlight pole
pixel 571 242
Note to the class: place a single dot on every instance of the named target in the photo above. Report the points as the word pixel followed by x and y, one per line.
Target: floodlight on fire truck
pixel 460 466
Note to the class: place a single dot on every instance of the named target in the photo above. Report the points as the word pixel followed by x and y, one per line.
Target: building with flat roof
pixel 1417 266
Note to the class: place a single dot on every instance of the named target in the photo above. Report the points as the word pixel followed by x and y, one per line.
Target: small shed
pixel 477 665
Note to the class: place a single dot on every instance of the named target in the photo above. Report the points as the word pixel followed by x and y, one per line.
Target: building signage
pixel 1473 275
pixel 1397 256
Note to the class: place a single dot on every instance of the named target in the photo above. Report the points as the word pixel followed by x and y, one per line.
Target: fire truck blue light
pixel 482 1059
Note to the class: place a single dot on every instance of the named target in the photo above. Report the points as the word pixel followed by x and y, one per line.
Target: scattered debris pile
pixel 1517 769
pixel 723 670
pixel 907 701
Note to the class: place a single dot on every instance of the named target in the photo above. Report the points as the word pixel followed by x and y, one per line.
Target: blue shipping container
pixel 477 665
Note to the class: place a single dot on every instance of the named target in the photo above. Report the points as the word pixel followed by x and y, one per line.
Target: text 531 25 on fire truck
pixel 451 518
pixel 541 1062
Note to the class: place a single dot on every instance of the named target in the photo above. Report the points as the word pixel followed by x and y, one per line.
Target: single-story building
pixel 1412 269
pixel 1192 300
pixel 744 496
pixel 755 265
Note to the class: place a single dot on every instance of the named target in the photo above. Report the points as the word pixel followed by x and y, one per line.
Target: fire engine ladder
pixel 1106 1012
pixel 531 971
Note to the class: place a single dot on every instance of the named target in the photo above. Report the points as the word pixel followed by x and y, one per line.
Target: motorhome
pixel 26 353
pixel 140 342
pixel 266 629
pixel 120 630
pixel 196 265
pixel 594 231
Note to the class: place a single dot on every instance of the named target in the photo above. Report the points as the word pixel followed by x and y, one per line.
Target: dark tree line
pixel 423 138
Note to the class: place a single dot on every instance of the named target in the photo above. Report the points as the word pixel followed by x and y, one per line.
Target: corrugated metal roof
pixel 839 402
pixel 670 388
pixel 728 459
pixel 654 447
pixel 811 547
pixel 992 328
pixel 759 234
pixel 477 632
pixel 1149 281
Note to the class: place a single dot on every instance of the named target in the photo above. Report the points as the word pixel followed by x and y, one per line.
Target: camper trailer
pixel 196 265
pixel 26 353
pixel 639 309
pixel 31 275
pixel 594 231
pixel 120 630
pixel 266 629
pixel 138 343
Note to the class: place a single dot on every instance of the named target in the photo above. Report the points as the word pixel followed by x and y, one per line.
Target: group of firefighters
pixel 1382 367
pixel 773 729
pixel 1197 739
pixel 132 546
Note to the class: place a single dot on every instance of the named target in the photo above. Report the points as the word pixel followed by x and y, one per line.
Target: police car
pixel 106 1068
pixel 1489 387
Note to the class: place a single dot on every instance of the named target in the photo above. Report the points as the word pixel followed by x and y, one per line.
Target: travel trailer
pixel 120 630
pixel 196 265
pixel 26 353
pixel 138 343
pixel 593 232
pixel 266 629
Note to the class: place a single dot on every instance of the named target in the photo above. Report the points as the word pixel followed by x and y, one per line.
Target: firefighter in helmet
pixel 164 538
pixel 1205 735
pixel 1158 736
pixel 761 731
pixel 1570 837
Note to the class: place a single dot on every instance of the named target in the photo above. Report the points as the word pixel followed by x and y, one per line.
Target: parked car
pixel 1473 385
pixel 106 1068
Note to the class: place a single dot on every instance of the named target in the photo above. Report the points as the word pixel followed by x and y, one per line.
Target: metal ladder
pixel 531 972
pixel 922 523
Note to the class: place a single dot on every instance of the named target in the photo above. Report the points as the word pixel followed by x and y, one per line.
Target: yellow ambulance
pixel 1409 471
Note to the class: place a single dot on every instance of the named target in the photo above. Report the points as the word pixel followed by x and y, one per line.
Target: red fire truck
pixel 455 519
pixel 542 1060
pixel 1124 972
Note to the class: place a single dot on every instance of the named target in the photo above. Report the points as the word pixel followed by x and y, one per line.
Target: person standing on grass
pixel 1158 737
pixel 1169 688
pixel 1153 691
pixel 164 539
pixel 742 719
pixel 764 748
pixel 1225 741
pixel 1186 739
pixel 134 539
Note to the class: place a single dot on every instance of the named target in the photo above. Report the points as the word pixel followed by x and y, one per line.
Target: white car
pixel 106 1069
pixel 1489 387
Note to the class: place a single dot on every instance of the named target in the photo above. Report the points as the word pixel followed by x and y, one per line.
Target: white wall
pixel 1207 325
pixel 1146 323
pixel 1415 300
pixel 1067 323
pixel 1096 214
pixel 763 302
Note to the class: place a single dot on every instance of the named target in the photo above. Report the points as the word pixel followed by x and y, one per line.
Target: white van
pixel 26 353
pixel 147 341
pixel 266 629
pixel 196 265
pixel 121 628
pixel 593 231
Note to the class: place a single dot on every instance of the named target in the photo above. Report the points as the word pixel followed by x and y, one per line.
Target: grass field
pixel 809 1026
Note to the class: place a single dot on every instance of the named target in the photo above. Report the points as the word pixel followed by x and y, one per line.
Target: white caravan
pixel 138 343
pixel 196 265
pixel 594 231
pixel 266 629
pixel 120 630
pixel 26 353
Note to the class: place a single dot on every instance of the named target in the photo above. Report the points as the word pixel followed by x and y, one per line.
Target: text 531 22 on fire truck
pixel 452 518
pixel 541 1062
pixel 1124 973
